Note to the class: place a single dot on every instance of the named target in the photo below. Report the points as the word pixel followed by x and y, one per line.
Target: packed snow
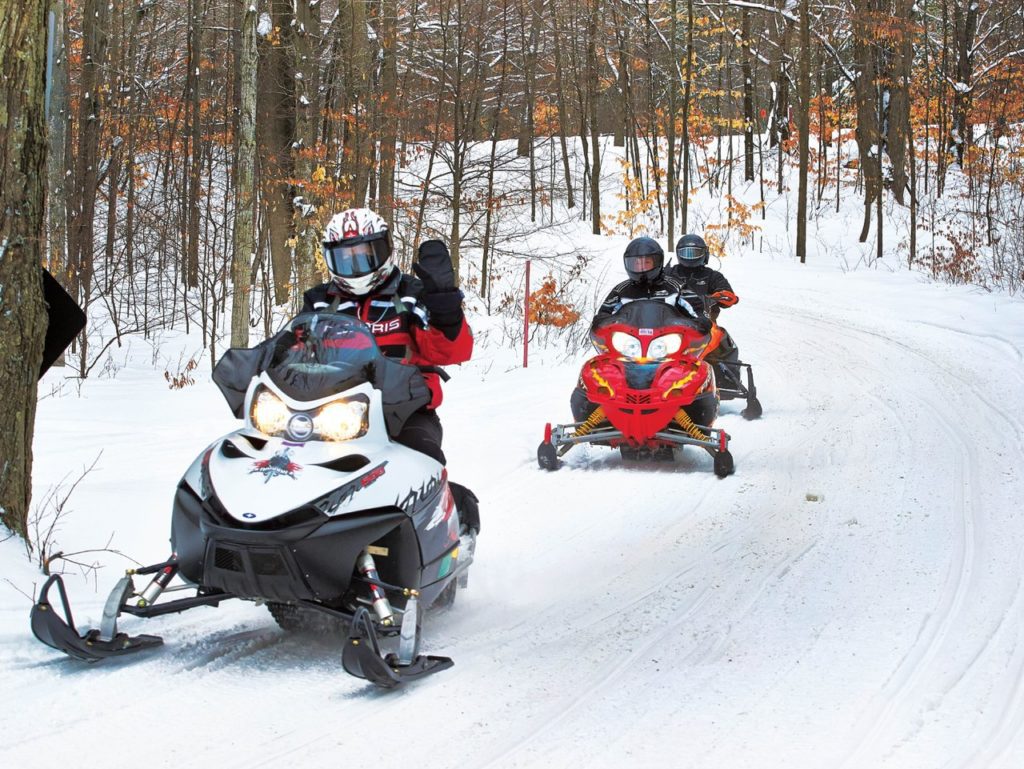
pixel 850 598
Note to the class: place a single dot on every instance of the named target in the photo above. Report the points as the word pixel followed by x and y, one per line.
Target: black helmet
pixel 644 259
pixel 691 251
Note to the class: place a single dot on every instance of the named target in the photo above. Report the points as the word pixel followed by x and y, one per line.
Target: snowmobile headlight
pixel 664 346
pixel 341 420
pixel 269 413
pixel 627 345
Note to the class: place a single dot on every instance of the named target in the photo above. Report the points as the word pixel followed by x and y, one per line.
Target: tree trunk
pixel 495 134
pixel 592 88
pixel 195 36
pixel 275 125
pixel 960 136
pixel 804 129
pixel 748 101
pixel 56 126
pixel 524 148
pixel 245 183
pixel 23 318
pixel 90 111
pixel 357 76
pixel 867 99
pixel 563 114
pixel 389 110
pixel 307 107
pixel 686 118
pixel 670 125
pixel 899 100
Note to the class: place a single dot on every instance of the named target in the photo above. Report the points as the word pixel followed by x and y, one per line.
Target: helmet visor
pixel 691 254
pixel 354 260
pixel 641 264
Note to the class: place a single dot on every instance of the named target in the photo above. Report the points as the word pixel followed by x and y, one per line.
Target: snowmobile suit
pixel 409 324
pixel 412 326
pixel 703 282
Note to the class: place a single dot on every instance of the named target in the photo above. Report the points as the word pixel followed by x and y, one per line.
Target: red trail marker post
pixel 526 319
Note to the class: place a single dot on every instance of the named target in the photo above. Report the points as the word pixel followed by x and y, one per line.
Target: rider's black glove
pixel 434 267
pixel 443 300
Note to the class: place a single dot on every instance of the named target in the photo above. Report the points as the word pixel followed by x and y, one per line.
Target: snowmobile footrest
pixel 362 658
pixel 60 633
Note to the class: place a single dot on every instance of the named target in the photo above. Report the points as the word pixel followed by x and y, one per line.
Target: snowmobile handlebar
pixel 445 376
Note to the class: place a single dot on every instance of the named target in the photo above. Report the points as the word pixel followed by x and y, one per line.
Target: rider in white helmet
pixel 416 319
pixel 358 250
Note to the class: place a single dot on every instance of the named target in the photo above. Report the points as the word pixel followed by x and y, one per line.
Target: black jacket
pixel 701 281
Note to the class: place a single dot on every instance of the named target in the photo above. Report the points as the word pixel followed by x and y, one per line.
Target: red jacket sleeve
pixel 433 348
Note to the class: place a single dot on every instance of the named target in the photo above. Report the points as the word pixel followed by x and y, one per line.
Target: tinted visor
pixel 641 264
pixel 691 253
pixel 354 260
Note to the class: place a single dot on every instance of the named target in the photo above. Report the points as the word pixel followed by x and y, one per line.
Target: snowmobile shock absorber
pixel 368 568
pixel 596 417
pixel 157 585
pixel 683 420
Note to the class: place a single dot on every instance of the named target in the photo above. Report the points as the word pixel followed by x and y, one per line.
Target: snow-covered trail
pixel 643 615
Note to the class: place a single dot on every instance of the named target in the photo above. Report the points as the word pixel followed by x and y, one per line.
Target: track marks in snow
pixel 921 680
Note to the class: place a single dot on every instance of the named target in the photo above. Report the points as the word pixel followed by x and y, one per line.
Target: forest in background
pixel 196 147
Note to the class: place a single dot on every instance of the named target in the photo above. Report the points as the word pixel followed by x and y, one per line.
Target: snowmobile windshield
pixel 650 329
pixel 319 354
pixel 652 314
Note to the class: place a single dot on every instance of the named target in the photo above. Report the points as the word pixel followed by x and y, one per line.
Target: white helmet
pixel 358 250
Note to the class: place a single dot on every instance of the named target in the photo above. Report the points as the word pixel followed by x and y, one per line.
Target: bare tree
pixel 245 183
pixel 22 204
pixel 804 127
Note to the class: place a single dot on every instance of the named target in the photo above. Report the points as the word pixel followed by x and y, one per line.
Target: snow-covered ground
pixel 640 616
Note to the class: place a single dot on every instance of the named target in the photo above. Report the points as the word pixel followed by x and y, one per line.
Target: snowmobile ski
pixel 362 657
pixel 94 645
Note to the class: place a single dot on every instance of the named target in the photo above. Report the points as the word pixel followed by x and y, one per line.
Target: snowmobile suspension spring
pixel 157 585
pixel 596 417
pixel 381 604
pixel 683 420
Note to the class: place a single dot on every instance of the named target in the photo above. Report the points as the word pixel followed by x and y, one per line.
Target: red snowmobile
pixel 650 389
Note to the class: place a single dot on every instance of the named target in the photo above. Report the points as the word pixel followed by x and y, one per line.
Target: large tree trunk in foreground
pixel 22 198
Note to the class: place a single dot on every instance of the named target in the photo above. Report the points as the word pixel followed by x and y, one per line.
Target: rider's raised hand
pixel 434 267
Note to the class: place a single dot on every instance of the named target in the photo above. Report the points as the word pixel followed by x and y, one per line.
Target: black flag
pixel 66 320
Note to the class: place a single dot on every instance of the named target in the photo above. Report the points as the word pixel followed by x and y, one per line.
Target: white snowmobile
pixel 311 508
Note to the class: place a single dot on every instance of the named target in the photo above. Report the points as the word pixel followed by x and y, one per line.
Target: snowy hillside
pixel 851 597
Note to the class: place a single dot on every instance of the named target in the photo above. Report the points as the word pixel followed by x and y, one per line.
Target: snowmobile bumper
pixel 60 633
pixel 362 657
pixel 558 439
pixel 564 437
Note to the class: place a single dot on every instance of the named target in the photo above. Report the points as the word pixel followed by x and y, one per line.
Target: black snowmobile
pixel 723 355
pixel 310 507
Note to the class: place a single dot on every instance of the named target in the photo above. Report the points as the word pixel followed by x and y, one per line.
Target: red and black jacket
pixel 410 325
